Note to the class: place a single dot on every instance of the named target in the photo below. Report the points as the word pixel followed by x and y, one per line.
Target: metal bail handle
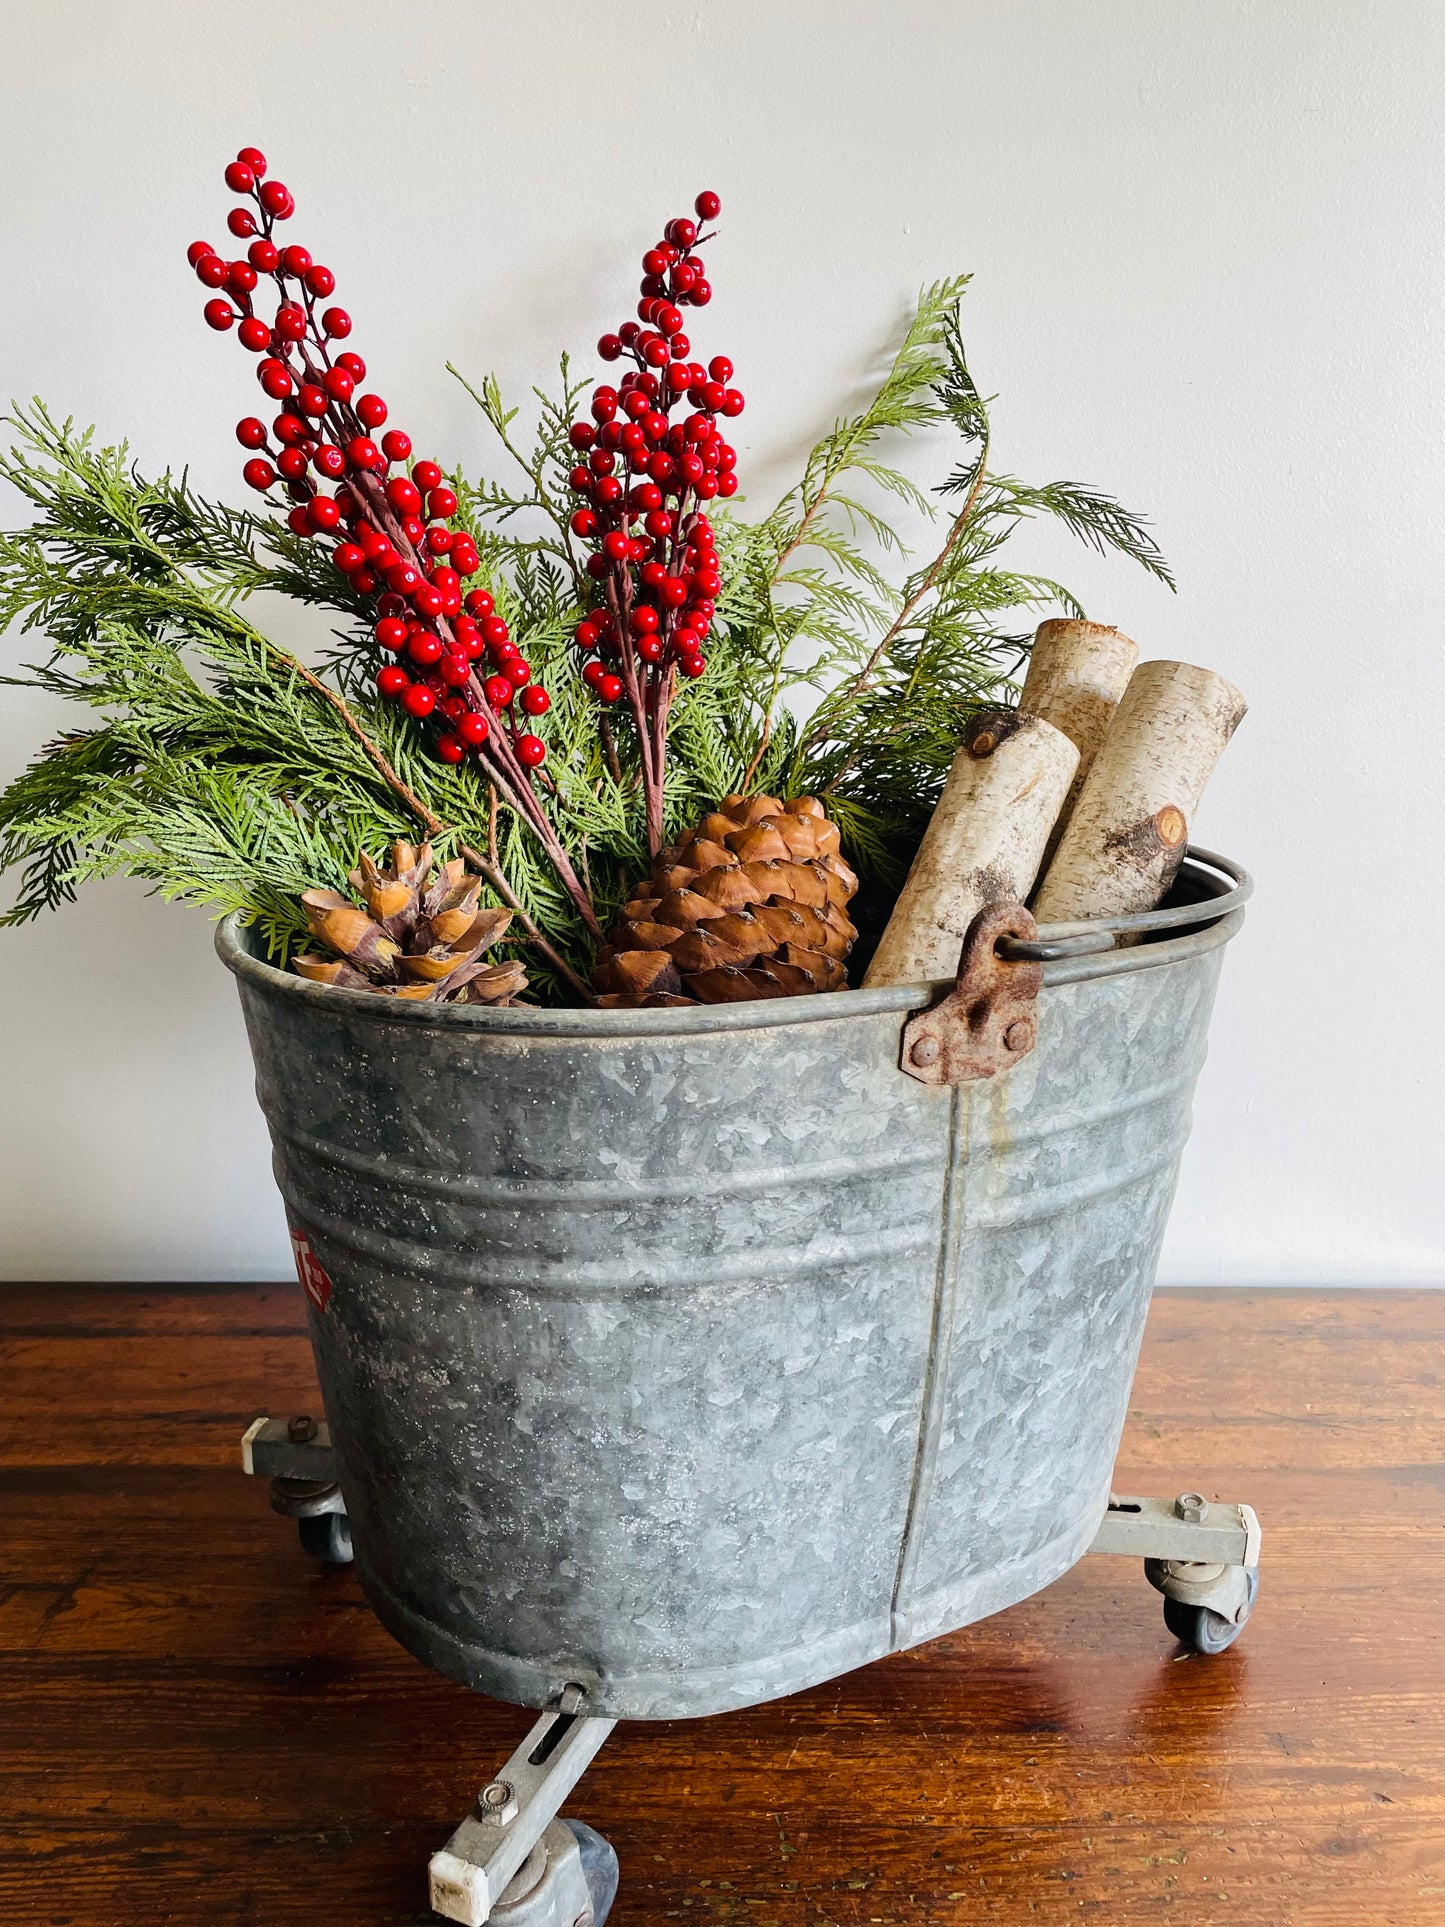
pixel 986 1023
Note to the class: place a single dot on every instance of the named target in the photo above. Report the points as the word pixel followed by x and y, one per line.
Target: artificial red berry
pixel 581 435
pixel 403 495
pixel 438 541
pixel 262 255
pixel 499 691
pixel 479 603
pixel 531 751
pixel 536 701
pixel 276 378
pixel 349 557
pixel 424 647
pixel 426 475
pixel 251 433
pixel 441 503
pixel 299 520
pixel 450 748
pixel 604 404
pixel 465 559
pixel 418 700
pixel 454 669
pixel 391 632
pixel 320 281
pixel 372 411
pixel 311 398
pixel 732 402
pixel 494 632
pixel 517 672
pixel 362 452
pixel 295 260
pixel 292 463
pixel 329 461
pixel 616 546
pixel 402 577
pixel 609 347
pixel 242 223
pixel 609 688
pixel 427 599
pixel 727 484
pixel 720 368
pixel 701 294
pixel 258 473
pixel 240 178
pixel 354 366
pixel 337 323
pixel 474 729
pixel 584 523
pixel 708 205
pixel 289 428
pixel 643 621
pixel 253 334
pixel 212 271
pixel 290 322
pixel 325 513
pixel 241 277
pixel 277 200
pixel 396 445
pixel 219 315
pixel 593 672
pixel 392 679
pixel 650 648
pixel 199 251
pixel 659 524
pixel 692 666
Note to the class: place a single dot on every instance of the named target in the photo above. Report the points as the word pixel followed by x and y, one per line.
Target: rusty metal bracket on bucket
pixel 471 1873
pixel 986 1023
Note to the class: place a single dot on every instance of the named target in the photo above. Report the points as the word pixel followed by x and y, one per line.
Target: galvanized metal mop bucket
pixel 696 1356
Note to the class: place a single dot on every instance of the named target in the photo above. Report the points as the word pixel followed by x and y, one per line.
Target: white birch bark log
pixel 984 843
pixel 1077 673
pixel 1126 837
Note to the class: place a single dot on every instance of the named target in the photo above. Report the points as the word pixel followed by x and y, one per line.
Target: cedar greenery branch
pixel 223 769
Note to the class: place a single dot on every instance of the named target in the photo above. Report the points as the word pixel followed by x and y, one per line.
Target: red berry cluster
pixel 642 477
pixel 394 520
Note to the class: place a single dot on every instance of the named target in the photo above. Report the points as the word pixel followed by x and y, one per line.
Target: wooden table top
pixel 196 1724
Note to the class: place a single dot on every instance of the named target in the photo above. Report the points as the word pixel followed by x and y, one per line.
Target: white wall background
pixel 1207 247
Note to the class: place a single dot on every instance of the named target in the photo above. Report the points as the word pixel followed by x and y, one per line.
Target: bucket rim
pixel 1070 953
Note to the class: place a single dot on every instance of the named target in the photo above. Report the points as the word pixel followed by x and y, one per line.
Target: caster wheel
pixel 1206 1631
pixel 327 1537
pixel 599 1865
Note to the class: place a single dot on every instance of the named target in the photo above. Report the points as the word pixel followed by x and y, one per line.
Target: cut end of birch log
pixel 1077 673
pixel 1127 834
pixel 984 842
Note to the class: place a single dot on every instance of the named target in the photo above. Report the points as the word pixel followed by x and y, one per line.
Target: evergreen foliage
pixel 221 769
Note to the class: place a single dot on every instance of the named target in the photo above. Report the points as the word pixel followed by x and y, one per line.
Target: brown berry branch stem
pixel 487 867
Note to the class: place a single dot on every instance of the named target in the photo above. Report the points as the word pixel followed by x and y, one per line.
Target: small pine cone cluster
pixel 752 903
pixel 420 936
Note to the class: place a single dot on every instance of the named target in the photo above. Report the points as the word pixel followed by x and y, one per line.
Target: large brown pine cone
pixel 419 940
pixel 752 903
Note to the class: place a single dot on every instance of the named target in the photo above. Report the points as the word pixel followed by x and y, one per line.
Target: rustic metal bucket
pixel 696 1356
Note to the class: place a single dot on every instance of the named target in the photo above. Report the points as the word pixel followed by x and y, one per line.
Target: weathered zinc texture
pixel 696 1356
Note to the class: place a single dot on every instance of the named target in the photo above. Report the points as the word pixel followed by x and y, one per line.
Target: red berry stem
pixel 654 561
pixel 409 565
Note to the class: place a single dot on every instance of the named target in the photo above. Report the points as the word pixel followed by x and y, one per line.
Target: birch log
pixel 1127 835
pixel 1077 673
pixel 983 844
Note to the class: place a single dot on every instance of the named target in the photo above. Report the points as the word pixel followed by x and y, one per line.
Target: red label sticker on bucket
pixel 310 1270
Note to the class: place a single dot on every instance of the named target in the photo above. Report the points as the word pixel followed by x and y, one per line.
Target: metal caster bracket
pixel 1203 1557
pixel 489 1867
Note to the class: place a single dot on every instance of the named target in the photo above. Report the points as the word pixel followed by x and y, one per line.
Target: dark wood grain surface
pixel 196 1725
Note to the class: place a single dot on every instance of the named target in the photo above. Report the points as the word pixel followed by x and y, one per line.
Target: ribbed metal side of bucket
pixel 699 1356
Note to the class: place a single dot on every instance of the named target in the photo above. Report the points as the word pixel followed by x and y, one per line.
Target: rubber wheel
pixel 599 1865
pixel 1206 1631
pixel 327 1537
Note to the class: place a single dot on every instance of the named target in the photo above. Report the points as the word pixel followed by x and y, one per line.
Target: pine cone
pixel 414 940
pixel 752 903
